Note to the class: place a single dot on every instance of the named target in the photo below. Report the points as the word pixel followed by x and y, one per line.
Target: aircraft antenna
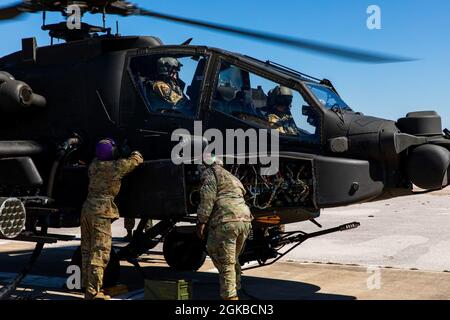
pixel 104 17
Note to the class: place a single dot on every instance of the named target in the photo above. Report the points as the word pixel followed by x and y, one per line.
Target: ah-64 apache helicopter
pixel 96 85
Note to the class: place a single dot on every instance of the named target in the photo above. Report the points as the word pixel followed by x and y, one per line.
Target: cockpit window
pixel 170 84
pixel 327 97
pixel 265 103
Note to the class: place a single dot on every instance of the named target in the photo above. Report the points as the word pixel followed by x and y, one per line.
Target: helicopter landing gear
pixel 112 271
pixel 144 240
pixel 183 250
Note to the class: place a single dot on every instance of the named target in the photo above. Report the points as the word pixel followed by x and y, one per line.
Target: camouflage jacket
pixel 169 93
pixel 221 198
pixel 284 123
pixel 104 185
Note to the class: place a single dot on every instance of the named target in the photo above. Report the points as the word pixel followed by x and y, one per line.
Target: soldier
pixel 166 91
pixel 278 111
pixel 223 212
pixel 99 211
pixel 129 224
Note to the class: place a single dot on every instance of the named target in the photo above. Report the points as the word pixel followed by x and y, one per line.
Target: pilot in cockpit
pixel 167 91
pixel 278 110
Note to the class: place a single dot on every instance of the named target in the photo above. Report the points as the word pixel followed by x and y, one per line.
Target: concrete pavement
pixel 400 251
pixel 408 232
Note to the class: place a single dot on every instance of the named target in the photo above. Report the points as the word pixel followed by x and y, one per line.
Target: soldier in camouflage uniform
pixel 166 91
pixel 99 211
pixel 278 111
pixel 228 219
pixel 129 224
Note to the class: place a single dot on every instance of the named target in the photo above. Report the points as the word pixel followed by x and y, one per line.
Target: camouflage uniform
pixel 97 214
pixel 283 122
pixel 222 207
pixel 170 93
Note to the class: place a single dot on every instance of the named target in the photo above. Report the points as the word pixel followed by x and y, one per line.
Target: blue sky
pixel 415 28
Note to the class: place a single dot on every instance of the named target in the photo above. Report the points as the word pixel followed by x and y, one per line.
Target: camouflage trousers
pixel 129 224
pixel 225 243
pixel 96 239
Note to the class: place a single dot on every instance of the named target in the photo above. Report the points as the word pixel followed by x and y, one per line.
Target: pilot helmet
pixel 167 65
pixel 106 150
pixel 280 96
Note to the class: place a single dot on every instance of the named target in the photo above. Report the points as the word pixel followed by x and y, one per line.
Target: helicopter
pixel 57 101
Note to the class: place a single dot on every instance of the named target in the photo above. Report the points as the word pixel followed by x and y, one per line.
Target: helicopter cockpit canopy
pixel 327 97
pixel 243 94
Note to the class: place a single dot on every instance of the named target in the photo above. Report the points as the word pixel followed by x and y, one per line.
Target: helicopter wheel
pixel 183 250
pixel 112 271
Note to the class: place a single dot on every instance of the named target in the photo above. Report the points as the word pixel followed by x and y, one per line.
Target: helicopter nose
pixel 428 166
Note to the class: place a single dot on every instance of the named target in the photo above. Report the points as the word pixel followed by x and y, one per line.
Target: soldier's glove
pixel 137 153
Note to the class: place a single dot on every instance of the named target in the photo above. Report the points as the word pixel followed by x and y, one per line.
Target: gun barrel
pixel 20 148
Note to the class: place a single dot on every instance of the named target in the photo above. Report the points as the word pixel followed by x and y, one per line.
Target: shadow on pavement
pixel 206 286
pixel 53 262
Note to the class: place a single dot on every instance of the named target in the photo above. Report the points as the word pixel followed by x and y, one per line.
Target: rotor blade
pixel 11 11
pixel 313 46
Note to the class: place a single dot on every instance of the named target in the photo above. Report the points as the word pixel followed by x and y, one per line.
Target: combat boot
pixel 99 296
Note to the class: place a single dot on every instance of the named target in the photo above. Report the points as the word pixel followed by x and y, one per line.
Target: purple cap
pixel 105 149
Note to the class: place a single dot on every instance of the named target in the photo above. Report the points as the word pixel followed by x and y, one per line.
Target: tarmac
pixel 400 251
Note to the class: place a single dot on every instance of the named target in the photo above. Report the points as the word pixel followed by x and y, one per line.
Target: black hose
pixel 51 179
pixel 66 149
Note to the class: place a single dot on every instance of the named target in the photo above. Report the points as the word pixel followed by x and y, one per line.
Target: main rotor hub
pixel 60 31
